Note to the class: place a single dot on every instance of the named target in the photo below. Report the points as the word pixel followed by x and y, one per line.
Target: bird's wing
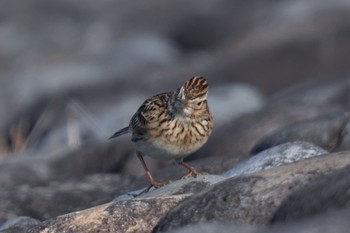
pixel 148 115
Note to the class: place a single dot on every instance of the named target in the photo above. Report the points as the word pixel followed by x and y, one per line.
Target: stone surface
pixel 276 156
pixel 324 194
pixel 217 227
pixel 329 132
pixel 19 224
pixel 189 185
pixel 137 215
pixel 251 199
pixel 330 222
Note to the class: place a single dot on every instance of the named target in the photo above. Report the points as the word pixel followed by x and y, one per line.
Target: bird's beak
pixel 181 97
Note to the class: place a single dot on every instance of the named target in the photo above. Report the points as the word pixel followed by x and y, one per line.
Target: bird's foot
pixel 156 184
pixel 194 174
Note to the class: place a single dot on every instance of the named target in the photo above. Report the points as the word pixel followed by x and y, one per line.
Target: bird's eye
pixel 199 103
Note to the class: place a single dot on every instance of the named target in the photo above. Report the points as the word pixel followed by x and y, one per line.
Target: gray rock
pixel 245 98
pixel 331 92
pixel 137 215
pixel 184 186
pixel 328 132
pixel 330 222
pixel 41 169
pixel 18 224
pixel 237 138
pixel 250 199
pixel 172 171
pixel 324 194
pixel 60 197
pixel 218 227
pixel 276 156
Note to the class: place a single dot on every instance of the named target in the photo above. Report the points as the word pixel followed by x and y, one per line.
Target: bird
pixel 171 126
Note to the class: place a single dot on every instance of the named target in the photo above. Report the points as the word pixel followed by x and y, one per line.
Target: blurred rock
pixel 60 197
pixel 332 92
pixel 237 137
pixel 276 156
pixel 228 102
pixel 97 51
pixel 62 165
pixel 329 132
pixel 250 199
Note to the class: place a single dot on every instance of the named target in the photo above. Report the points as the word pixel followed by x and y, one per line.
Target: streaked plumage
pixel 172 125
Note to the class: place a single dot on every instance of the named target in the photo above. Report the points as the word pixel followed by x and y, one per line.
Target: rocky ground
pixel 74 72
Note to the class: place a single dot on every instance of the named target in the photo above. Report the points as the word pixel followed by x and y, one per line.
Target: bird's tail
pixel 120 132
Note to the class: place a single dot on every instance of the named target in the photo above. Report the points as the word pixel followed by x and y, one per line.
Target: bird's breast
pixel 174 139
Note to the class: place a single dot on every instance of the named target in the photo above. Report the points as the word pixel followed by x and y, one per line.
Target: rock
pixel 250 199
pixel 276 156
pixel 172 171
pixel 237 137
pixel 217 227
pixel 137 215
pixel 189 185
pixel 60 165
pixel 19 224
pixel 329 132
pixel 324 194
pixel 245 98
pixel 330 222
pixel 331 92
pixel 60 197
pixel 71 50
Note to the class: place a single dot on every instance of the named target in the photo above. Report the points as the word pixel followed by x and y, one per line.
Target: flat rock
pixel 276 156
pixel 189 185
pixel 251 199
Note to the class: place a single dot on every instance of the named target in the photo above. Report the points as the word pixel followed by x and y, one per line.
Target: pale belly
pixel 160 149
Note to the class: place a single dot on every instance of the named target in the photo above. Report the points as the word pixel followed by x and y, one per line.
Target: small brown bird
pixel 172 125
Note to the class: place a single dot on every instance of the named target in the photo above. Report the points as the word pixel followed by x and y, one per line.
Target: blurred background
pixel 74 72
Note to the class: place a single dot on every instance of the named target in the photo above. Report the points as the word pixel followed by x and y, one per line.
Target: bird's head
pixel 191 98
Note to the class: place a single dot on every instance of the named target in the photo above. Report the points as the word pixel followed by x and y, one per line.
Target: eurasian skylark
pixel 172 125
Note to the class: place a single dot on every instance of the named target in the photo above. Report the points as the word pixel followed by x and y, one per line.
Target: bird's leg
pixel 192 171
pixel 150 178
